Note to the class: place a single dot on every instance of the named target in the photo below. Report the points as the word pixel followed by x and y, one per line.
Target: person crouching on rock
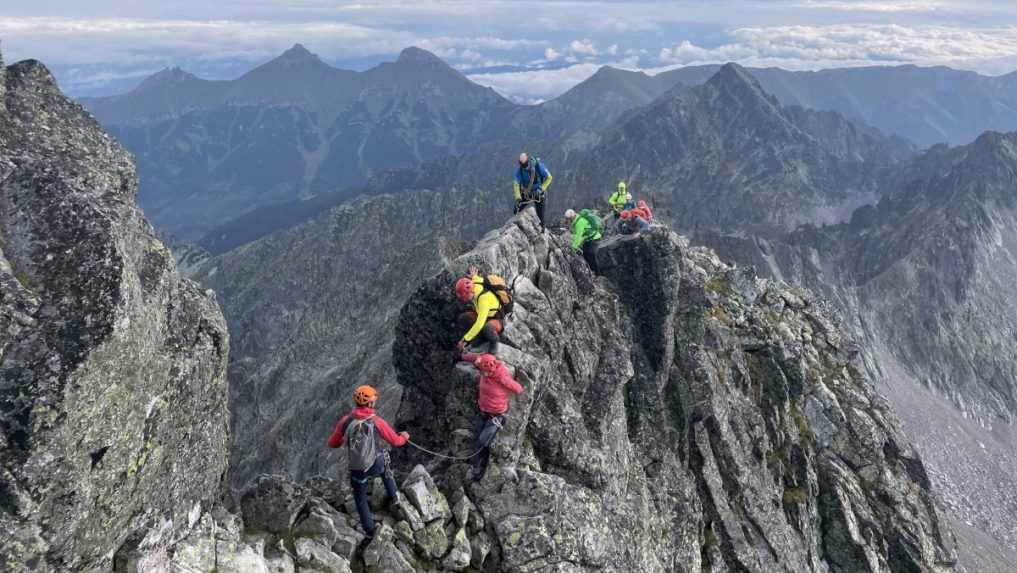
pixel 484 319
pixel 496 385
pixel 359 430
pixel 631 223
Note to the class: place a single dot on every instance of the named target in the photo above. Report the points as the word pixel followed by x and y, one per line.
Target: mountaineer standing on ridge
pixel 496 385
pixel 491 302
pixel 619 200
pixel 360 430
pixel 586 230
pixel 530 186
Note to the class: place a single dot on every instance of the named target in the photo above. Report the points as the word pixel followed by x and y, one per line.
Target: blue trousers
pixel 359 481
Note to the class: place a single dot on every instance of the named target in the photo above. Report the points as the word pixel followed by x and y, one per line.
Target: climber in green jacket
pixel 619 200
pixel 586 229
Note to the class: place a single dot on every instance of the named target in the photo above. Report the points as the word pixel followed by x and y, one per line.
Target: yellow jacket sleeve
pixel 485 304
pixel 547 182
pixel 516 191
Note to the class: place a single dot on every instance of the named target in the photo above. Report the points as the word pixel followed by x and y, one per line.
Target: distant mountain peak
pixel 733 75
pixel 415 55
pixel 165 77
pixel 297 54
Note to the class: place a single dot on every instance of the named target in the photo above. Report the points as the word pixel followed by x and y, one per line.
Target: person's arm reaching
pixel 389 435
pixel 338 436
pixel 511 385
pixel 484 308
pixel 547 179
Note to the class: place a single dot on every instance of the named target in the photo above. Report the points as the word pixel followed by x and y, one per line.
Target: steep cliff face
pixel 113 411
pixel 679 415
pixel 312 313
pixel 926 278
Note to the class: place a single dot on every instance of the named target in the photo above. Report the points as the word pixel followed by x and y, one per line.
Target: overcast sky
pixel 528 50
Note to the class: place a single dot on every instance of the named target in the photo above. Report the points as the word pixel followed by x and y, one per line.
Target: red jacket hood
pixel 361 412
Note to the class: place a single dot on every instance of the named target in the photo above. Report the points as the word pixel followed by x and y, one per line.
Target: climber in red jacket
pixel 360 430
pixel 496 385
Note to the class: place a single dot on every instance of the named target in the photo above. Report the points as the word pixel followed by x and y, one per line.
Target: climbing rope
pixel 496 421
pixel 444 456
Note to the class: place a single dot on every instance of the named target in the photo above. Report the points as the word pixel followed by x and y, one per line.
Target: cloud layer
pixel 527 49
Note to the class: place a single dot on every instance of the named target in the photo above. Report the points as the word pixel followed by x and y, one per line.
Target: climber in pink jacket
pixel 496 385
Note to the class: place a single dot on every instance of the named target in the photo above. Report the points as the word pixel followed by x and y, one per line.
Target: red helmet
pixel 627 214
pixel 464 289
pixel 487 363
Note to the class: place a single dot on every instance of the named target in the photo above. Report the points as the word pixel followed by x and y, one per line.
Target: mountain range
pixel 912 249
pixel 689 415
pixel 296 129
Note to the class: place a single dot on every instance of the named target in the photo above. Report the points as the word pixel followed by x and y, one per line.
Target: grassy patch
pixel 796 495
pixel 804 430
pixel 720 285
pixel 22 278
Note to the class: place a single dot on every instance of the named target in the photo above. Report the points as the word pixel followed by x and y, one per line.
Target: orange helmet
pixel 364 395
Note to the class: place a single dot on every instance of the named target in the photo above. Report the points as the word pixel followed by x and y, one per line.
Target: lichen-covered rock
pixel 312 555
pixel 426 497
pixel 459 557
pixel 679 415
pixel 113 414
pixel 382 555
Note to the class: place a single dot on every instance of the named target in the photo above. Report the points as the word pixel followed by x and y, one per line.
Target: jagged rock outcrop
pixel 679 415
pixel 925 277
pixel 113 414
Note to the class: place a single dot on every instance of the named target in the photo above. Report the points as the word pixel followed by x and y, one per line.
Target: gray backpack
pixel 361 444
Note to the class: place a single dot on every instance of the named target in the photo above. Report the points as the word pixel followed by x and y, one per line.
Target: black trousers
pixel 590 254
pixel 485 429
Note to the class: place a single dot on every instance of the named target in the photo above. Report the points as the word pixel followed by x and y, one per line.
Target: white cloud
pixel 550 54
pixel 814 47
pixel 612 49
pixel 583 47
pixel 536 85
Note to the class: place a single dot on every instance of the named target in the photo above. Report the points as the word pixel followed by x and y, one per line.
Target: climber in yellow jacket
pixel 620 200
pixel 484 319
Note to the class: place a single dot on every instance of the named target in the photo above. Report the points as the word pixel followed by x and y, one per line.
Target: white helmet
pixel 569 215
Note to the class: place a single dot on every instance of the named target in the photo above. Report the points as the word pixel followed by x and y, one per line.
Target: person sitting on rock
pixel 496 385
pixel 586 232
pixel 359 430
pixel 631 223
pixel 484 319
pixel 643 210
